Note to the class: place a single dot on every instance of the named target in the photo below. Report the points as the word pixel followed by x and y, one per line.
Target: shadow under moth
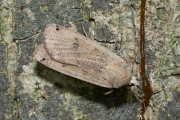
pixel 75 55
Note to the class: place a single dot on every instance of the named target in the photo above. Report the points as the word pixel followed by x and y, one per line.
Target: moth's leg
pixel 116 46
pixel 120 54
pixel 109 92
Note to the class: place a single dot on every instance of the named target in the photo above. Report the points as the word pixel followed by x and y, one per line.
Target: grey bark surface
pixel 31 91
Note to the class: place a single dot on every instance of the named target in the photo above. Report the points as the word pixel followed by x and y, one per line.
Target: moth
pixel 75 55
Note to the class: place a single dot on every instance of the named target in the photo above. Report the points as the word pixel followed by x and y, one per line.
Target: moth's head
pixel 119 74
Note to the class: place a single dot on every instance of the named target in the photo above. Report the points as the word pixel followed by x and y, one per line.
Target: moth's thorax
pixel 119 74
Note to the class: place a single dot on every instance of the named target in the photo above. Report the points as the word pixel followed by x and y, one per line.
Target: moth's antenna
pixel 84 29
pixel 134 82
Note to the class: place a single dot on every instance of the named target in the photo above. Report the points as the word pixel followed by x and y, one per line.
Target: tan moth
pixel 75 55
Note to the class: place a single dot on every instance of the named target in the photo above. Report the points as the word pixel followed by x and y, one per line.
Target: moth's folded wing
pixel 94 76
pixel 92 62
pixel 66 46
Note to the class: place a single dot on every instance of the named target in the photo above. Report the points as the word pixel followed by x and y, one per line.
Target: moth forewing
pixel 75 55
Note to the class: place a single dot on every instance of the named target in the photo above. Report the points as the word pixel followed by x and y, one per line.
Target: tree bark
pixel 30 90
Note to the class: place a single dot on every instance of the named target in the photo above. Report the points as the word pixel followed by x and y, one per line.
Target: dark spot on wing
pixel 43 59
pixel 76 43
pixel 57 28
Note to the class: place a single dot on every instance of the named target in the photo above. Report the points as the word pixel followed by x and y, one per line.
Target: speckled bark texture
pixel 31 91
